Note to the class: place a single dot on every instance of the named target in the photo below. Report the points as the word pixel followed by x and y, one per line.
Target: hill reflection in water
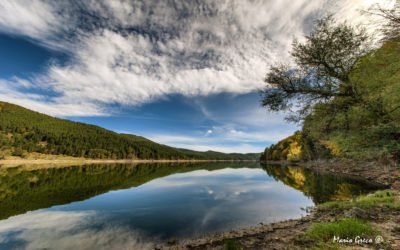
pixel 136 206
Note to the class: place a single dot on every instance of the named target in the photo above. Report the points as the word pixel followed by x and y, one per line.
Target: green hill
pixel 218 155
pixel 363 126
pixel 23 131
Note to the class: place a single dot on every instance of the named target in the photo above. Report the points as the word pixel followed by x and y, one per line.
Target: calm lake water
pixel 136 206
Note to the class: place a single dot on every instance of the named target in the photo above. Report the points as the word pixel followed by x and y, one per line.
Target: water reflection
pixel 320 187
pixel 68 230
pixel 24 188
pixel 152 202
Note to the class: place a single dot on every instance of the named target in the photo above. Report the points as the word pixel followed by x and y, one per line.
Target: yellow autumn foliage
pixel 284 153
pixel 298 176
pixel 275 154
pixel 294 151
pixel 332 146
pixel 289 148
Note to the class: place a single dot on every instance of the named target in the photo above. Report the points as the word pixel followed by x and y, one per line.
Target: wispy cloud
pixel 245 130
pixel 237 192
pixel 133 52
pixel 223 142
pixel 10 91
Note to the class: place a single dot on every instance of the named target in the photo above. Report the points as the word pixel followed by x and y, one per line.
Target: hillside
pixel 218 155
pixel 363 126
pixel 23 131
pixel 289 148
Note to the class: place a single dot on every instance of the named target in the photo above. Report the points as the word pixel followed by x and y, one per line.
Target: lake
pixel 136 206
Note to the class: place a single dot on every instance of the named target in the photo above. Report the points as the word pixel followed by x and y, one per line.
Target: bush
pixel 20 152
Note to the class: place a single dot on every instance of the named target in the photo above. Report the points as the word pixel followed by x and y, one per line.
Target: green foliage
pixel 231 244
pixel 349 95
pixel 218 155
pixel 383 198
pixel 323 64
pixel 366 126
pixel 23 131
pixel 345 228
pixel 19 152
pixel 289 148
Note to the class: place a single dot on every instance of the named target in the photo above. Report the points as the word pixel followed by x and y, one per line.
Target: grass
pixel 349 228
pixel 383 198
pixel 230 244
pixel 345 228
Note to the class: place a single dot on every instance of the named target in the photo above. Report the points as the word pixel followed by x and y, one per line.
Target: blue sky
pixel 182 73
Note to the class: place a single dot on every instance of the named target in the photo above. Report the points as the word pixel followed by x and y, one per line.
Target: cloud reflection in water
pixel 67 230
pixel 184 205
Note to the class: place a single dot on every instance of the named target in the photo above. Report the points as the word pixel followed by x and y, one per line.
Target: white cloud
pixel 227 140
pixel 31 18
pixel 350 10
pixel 201 143
pixel 243 173
pixel 9 93
pixel 162 138
pixel 148 49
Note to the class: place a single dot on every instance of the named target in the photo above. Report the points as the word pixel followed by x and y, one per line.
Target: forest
pixel 23 131
pixel 344 90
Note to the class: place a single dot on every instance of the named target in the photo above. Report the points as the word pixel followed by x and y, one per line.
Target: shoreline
pixel 83 161
pixel 387 176
pixel 289 234
pixel 285 234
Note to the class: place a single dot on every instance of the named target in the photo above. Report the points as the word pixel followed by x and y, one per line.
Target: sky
pixel 184 73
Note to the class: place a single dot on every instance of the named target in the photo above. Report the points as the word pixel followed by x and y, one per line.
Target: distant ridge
pixel 23 131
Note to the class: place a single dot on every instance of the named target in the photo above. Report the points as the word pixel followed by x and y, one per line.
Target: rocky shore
pixel 287 234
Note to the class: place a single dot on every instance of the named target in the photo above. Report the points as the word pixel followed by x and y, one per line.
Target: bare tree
pixel 391 20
